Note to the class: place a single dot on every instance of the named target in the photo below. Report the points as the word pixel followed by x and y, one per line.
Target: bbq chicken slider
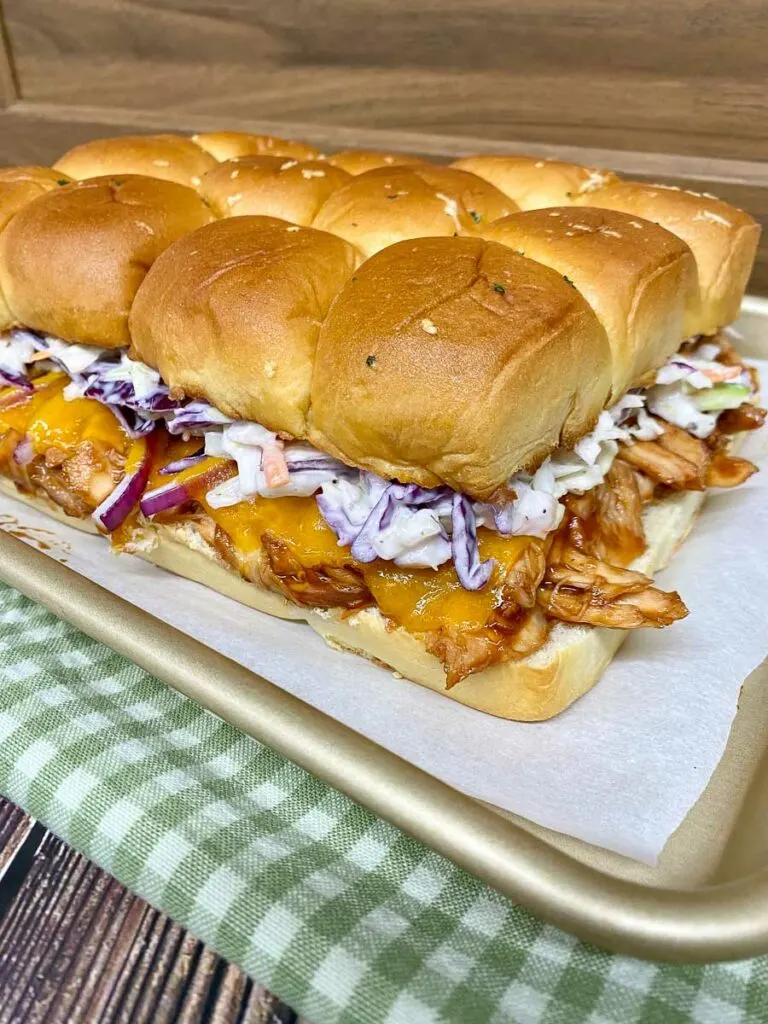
pixel 75 412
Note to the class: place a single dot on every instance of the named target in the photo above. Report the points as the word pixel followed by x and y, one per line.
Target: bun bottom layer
pixel 533 689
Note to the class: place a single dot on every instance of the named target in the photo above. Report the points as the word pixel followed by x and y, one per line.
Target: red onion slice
pixel 181 464
pixel 16 380
pixel 23 453
pixel 116 508
pixel 162 498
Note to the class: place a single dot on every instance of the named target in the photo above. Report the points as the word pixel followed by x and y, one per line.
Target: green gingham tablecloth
pixel 341 915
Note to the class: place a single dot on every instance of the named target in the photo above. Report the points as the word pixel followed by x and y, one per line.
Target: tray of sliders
pixel 453 419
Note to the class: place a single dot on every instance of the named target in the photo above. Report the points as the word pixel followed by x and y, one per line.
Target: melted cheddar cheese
pixel 50 421
pixel 426 599
pixel 417 599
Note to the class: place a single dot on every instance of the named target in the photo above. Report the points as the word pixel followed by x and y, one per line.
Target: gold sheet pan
pixel 706 900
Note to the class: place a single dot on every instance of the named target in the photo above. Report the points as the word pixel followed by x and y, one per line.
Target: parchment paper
pixel 619 769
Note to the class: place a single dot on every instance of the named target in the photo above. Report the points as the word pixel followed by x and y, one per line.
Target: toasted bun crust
pixel 534 181
pixel 72 260
pixel 638 278
pixel 229 145
pixel 723 240
pixel 271 186
pixel 231 313
pixel 381 207
pixel 358 161
pixel 19 186
pixel 169 157
pixel 435 364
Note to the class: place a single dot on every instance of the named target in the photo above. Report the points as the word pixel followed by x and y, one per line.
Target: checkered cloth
pixel 342 916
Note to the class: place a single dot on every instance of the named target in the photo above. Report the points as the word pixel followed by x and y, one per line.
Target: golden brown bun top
pixel 456 360
pixel 380 207
pixel 271 186
pixel 723 240
pixel 228 145
pixel 46 177
pixel 72 260
pixel 357 161
pixel 19 186
pixel 231 314
pixel 638 278
pixel 535 182
pixel 170 157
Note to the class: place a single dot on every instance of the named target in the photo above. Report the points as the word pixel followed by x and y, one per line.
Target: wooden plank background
pixel 655 90
pixel 687 77
pixel 77 948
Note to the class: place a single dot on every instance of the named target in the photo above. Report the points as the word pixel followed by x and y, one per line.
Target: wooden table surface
pixel 77 947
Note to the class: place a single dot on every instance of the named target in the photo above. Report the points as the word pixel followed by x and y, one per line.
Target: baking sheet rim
pixel 701 925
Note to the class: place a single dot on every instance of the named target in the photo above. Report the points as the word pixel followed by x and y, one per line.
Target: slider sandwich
pixel 75 412
pixel 458 459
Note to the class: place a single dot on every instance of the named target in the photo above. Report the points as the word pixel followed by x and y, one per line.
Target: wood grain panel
pixel 686 78
pixel 77 948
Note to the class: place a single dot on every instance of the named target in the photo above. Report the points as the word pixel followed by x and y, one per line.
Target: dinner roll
pixel 723 240
pixel 170 157
pixel 638 278
pixel 228 145
pixel 456 360
pixel 271 186
pixel 19 186
pixel 357 161
pixel 72 260
pixel 231 314
pixel 534 181
pixel 384 206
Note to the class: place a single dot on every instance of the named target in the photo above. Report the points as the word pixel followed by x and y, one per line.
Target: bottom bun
pixel 532 689
pixel 46 505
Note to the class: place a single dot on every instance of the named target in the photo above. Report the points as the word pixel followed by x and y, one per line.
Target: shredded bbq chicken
pixel 463 652
pixel 607 522
pixel 518 627
pixel 580 588
pixel 746 417
pixel 325 586
pixel 77 483
pixel 682 462
pixel 662 465
pixel 518 591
